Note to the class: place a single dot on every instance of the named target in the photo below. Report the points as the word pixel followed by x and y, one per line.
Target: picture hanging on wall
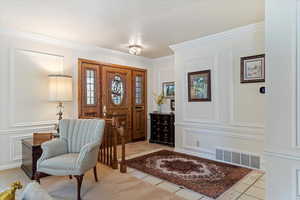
pixel 253 69
pixel 168 89
pixel 199 86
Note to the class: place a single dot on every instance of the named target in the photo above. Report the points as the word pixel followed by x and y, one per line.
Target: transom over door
pixel 116 95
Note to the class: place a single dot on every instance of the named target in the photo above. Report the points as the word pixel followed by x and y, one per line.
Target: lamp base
pixel 60 110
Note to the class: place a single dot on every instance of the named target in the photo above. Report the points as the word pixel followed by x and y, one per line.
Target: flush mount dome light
pixel 135 49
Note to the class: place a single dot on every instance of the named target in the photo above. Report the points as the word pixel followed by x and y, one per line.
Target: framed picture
pixel 168 89
pixel 199 86
pixel 172 104
pixel 253 69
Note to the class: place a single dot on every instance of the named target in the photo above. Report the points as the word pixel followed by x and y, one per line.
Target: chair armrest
pixel 53 148
pixel 88 156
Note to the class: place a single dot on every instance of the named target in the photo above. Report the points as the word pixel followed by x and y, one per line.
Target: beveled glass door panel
pixel 89 90
pixel 116 87
pixel 139 109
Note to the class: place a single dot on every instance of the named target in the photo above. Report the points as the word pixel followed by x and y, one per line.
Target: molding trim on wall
pixel 218 126
pixel 11 86
pixel 210 64
pixel 282 155
pixel 297 32
pixel 199 153
pixel 27 124
pixel 223 35
pixel 298 183
pixel 27 130
pixel 196 149
pixel 15 142
pixel 225 134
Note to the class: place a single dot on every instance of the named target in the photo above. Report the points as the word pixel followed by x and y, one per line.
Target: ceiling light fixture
pixel 135 49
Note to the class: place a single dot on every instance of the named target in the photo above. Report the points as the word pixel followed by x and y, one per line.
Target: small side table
pixel 31 152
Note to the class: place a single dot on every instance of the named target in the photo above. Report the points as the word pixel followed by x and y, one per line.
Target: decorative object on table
pixel 60 90
pixel 199 86
pixel 262 90
pixel 72 154
pixel 207 177
pixel 162 128
pixel 159 100
pixel 10 194
pixel 172 104
pixel 253 69
pixel 168 89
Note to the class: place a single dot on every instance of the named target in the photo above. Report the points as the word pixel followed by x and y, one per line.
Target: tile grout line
pixel 251 185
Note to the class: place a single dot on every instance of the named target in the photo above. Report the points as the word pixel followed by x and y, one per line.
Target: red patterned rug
pixel 204 176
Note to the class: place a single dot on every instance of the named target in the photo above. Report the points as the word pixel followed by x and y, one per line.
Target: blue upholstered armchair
pixel 75 152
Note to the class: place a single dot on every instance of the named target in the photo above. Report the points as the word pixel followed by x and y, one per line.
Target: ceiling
pixel 115 24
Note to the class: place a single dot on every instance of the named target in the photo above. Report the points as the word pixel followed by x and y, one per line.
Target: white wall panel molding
pixel 16 146
pixel 26 130
pixel 203 153
pixel 285 155
pixel 213 125
pixel 298 184
pixel 297 137
pixel 222 133
pixel 12 88
pixel 198 64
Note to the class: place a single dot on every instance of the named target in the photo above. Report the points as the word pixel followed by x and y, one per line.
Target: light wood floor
pixel 134 185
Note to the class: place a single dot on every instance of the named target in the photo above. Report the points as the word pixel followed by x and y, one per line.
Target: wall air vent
pixel 238 158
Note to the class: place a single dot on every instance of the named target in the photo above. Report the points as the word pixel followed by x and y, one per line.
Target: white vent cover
pixel 239 158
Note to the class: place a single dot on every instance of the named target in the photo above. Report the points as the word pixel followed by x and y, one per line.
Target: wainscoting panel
pixel 298 183
pixel 16 146
pixel 28 87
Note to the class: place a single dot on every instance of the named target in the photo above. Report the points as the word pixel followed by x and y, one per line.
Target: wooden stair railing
pixel 108 153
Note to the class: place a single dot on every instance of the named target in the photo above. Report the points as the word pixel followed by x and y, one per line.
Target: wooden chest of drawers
pixel 162 128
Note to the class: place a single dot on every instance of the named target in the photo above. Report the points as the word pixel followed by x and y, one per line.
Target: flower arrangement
pixel 159 100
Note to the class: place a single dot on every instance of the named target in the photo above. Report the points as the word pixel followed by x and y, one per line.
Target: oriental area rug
pixel 204 176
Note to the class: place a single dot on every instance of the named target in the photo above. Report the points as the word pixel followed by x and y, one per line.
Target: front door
pixel 116 96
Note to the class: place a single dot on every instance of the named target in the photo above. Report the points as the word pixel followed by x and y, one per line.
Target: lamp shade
pixel 60 88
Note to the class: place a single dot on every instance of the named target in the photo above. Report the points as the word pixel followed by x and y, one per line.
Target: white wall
pixel 25 61
pixel 282 150
pixel 234 119
pixel 163 70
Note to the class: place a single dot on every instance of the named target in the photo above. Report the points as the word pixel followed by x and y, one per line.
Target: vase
pixel 159 108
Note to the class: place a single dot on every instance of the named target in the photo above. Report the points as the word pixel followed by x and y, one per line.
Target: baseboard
pixel 199 153
pixel 10 166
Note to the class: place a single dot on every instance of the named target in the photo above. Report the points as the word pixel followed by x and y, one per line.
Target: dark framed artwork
pixel 253 69
pixel 172 104
pixel 199 86
pixel 168 89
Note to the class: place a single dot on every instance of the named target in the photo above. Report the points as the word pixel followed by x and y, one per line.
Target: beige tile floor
pixel 135 185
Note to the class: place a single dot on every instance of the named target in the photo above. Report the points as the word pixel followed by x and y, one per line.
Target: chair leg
pixel 95 174
pixel 37 177
pixel 79 183
pixel 70 176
